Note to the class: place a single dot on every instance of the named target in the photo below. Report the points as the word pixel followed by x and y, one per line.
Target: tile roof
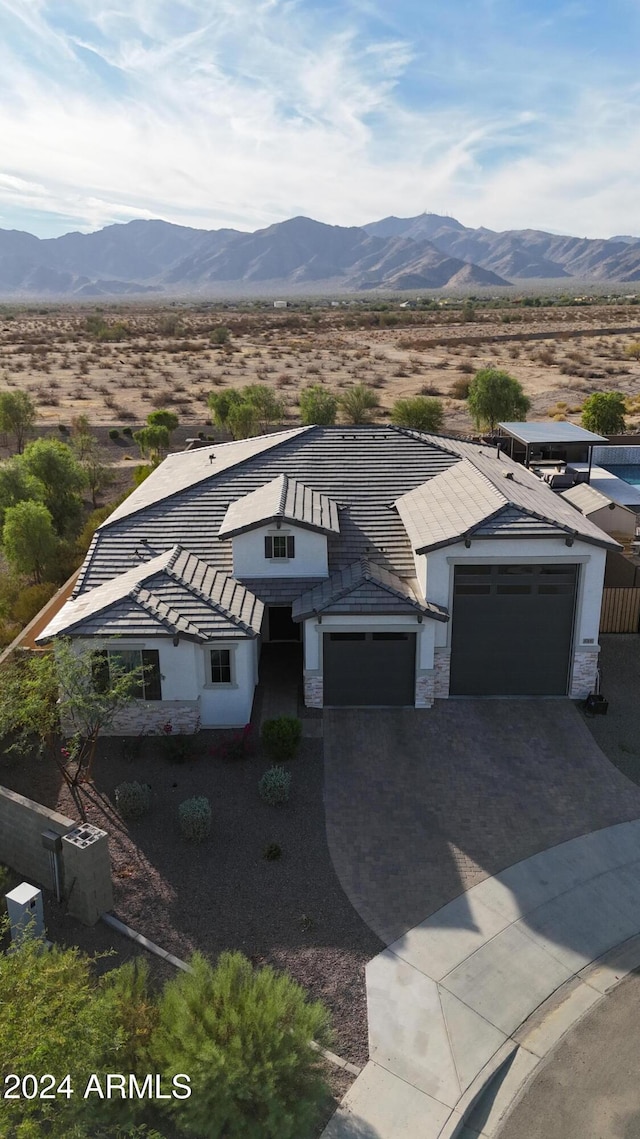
pixel 364 587
pixel 282 498
pixel 185 469
pixel 174 593
pixel 587 499
pixel 478 489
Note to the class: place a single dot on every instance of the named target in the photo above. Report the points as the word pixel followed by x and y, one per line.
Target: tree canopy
pixel 604 412
pixel 56 468
pixel 420 412
pixel 29 539
pixel 163 418
pixel 17 415
pixel 318 405
pixel 152 441
pixel 494 395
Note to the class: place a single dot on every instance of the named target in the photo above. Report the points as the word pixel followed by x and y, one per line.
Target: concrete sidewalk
pixel 447 1000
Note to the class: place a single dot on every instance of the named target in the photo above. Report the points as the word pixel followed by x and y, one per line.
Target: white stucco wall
pixel 345 623
pixel 615 520
pixel 310 554
pixel 184 672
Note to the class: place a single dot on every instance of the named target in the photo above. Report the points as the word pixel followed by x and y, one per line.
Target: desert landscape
pixel 115 365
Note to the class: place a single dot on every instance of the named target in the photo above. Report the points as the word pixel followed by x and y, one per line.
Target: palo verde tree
pixel 244 1036
pixel 17 416
pixel 318 405
pixel 66 693
pixel 604 412
pixel 60 474
pixel 29 539
pixel 420 412
pixel 494 395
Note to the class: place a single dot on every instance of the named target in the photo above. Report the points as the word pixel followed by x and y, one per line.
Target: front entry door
pixel 282 627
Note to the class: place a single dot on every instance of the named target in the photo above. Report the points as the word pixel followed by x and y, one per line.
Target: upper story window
pixel 280 546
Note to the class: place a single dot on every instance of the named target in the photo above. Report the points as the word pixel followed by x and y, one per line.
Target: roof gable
pixel 282 499
pixel 363 587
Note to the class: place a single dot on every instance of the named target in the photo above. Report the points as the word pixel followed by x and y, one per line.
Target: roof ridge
pixel 196 592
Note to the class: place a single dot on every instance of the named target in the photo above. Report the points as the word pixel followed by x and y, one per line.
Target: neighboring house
pixel 410 567
pixel 616 520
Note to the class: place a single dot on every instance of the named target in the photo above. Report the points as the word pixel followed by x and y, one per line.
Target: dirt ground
pixel 167 358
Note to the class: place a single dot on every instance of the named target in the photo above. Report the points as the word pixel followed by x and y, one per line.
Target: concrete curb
pixel 492 982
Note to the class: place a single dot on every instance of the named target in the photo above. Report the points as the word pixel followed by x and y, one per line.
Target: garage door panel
pixel 369 668
pixel 512 639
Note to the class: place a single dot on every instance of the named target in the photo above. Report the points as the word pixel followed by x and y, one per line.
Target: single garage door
pixel 512 630
pixel 369 668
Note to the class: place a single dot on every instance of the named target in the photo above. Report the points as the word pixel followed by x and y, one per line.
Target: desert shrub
pixel 275 785
pixel 244 1036
pixel 281 737
pixel 133 800
pixel 114 434
pixel 422 413
pixel 271 852
pixel 358 404
pixel 128 432
pixel 460 388
pixel 194 816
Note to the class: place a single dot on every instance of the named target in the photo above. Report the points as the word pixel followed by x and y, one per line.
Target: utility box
pixel 26 915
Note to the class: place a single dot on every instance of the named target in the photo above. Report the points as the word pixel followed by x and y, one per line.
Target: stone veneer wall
pixel 313 691
pixel 146 718
pixel 616 456
pixel 425 684
pixel 583 674
pixel 84 856
pixel 442 666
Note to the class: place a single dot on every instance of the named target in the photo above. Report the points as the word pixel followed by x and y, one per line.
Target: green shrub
pixel 128 431
pixel 272 851
pixel 274 786
pixel 194 816
pixel 114 434
pixel 133 800
pixel 281 737
pixel 244 1036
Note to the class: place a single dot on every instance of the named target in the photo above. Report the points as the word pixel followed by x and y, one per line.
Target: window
pixel 108 663
pixel 347 636
pixel 282 546
pixel 220 666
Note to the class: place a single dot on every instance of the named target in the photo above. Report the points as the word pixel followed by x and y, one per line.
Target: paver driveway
pixel 421 805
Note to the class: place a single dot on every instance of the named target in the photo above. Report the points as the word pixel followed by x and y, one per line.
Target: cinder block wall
pixel 84 856
pixel 22 822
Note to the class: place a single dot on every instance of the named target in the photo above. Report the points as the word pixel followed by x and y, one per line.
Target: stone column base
pixel 442 666
pixel 313 692
pixel 583 674
pixel 424 689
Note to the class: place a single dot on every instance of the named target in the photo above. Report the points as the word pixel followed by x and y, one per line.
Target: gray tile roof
pixel 587 499
pixel 175 593
pixel 364 587
pixel 457 502
pixel 186 469
pixel 283 498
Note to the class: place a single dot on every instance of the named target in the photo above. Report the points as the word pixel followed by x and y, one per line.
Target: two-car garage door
pixel 512 629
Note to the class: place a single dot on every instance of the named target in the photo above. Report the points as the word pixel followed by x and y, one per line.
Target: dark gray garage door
pixel 512 630
pixel 369 668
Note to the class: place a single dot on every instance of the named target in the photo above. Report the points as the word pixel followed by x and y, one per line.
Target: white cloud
pixel 265 111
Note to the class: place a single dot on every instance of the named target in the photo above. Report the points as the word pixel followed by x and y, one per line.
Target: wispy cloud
pixel 502 112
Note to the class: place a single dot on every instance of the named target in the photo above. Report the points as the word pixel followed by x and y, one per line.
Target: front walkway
pixel 423 805
pixel 446 1001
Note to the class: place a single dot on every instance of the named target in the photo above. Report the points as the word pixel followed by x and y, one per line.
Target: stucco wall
pixel 615 520
pixel 310 554
pixel 229 706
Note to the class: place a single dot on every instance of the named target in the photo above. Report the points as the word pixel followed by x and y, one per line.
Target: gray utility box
pixel 26 915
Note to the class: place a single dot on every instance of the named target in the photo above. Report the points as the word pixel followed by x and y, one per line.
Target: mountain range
pixel 303 256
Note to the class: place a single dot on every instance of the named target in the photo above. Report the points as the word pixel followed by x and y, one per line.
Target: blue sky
pixel 504 113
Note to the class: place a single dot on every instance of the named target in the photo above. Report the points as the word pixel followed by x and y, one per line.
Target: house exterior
pixel 409 568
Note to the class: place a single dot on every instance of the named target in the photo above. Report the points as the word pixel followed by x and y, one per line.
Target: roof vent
pixel 508 475
pixel 212 457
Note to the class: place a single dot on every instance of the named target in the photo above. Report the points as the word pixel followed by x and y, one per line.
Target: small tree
pixel 603 412
pixel 268 407
pixel 57 469
pixel 17 415
pixel 244 1036
pixel 243 421
pixel 318 405
pixel 494 396
pixel 220 404
pixel 358 404
pixel 163 418
pixel 17 485
pixel 152 441
pixel 29 539
pixel 420 412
